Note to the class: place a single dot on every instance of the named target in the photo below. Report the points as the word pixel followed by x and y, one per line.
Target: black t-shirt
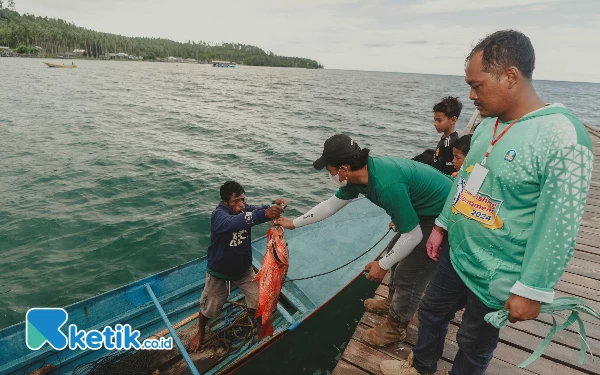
pixel 442 159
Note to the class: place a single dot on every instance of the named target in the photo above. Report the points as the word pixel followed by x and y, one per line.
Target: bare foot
pixel 195 343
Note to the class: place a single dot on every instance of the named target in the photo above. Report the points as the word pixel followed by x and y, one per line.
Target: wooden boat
pixel 222 64
pixel 49 65
pixel 170 299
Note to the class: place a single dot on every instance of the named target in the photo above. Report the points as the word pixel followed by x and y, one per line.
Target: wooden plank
pixel 386 279
pixel 588 239
pixel 564 337
pixel 595 238
pixel 523 339
pixel 368 359
pixel 504 363
pixel 578 290
pixel 593 194
pixel 584 268
pixel 591 217
pixel 382 291
pixel 346 368
pixel 590 249
pixel 401 351
pixel 594 229
pixel 592 203
pixel 542 366
pixel 364 357
pixel 584 255
pixel 581 281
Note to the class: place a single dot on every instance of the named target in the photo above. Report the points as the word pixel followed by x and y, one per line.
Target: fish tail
pixel 265 330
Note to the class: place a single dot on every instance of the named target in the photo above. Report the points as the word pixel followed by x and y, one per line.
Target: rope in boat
pixel 236 332
pixel 342 266
pixel 239 329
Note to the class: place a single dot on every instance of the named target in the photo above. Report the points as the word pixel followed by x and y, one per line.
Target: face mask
pixel 336 180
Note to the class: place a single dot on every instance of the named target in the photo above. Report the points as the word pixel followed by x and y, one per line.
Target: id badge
pixel 476 179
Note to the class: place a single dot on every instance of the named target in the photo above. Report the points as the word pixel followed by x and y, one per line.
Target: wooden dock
pixel 517 341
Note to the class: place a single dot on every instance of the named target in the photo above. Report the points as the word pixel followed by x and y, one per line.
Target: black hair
pixel 504 49
pixel 358 161
pixel 229 188
pixel 426 157
pixel 450 106
pixel 463 144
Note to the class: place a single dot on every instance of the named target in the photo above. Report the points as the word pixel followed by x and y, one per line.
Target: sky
pixel 427 36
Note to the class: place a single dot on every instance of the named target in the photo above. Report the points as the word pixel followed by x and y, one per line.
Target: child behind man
pixel 445 114
pixel 460 151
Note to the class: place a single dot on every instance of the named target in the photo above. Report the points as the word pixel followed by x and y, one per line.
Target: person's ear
pixel 512 76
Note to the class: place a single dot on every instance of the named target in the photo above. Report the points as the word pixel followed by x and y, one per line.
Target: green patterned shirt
pixel 518 233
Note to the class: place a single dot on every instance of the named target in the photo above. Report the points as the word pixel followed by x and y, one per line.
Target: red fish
pixel 270 278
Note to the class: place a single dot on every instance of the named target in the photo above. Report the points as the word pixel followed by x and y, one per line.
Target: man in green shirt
pixel 413 194
pixel 513 215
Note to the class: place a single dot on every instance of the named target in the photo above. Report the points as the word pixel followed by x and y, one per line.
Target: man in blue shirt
pixel 230 254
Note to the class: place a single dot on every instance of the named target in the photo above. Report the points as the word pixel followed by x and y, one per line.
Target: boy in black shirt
pixel 445 114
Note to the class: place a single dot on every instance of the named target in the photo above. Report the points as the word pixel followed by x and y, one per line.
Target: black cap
pixel 338 149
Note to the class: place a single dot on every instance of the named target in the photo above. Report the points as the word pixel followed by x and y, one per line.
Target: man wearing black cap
pixel 413 194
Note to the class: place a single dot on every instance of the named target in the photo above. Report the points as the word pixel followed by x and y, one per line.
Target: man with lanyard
pixel 413 194
pixel 513 214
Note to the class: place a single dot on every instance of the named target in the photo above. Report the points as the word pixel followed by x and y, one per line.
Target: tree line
pixel 56 37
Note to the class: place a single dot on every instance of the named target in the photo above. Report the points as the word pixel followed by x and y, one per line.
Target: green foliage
pixel 150 56
pixel 57 37
pixel 22 49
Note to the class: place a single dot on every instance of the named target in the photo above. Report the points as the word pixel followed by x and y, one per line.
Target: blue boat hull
pixel 313 250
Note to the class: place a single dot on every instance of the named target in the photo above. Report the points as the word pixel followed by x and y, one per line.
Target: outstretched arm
pixel 320 212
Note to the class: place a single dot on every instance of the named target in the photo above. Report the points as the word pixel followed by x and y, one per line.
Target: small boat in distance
pixel 73 65
pixel 222 64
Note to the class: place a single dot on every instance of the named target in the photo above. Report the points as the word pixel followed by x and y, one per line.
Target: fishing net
pixel 131 362
pixel 238 330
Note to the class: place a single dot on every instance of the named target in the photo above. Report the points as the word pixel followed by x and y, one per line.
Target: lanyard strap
pixel 495 140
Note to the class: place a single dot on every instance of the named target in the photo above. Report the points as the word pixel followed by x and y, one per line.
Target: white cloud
pixel 451 6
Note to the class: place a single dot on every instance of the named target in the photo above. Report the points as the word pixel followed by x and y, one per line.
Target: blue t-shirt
pixel 229 252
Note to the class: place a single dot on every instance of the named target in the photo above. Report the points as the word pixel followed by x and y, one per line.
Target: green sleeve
pixel 347 193
pixel 564 184
pixel 395 200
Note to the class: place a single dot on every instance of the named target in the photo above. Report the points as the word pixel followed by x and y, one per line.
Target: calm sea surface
pixel 109 172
